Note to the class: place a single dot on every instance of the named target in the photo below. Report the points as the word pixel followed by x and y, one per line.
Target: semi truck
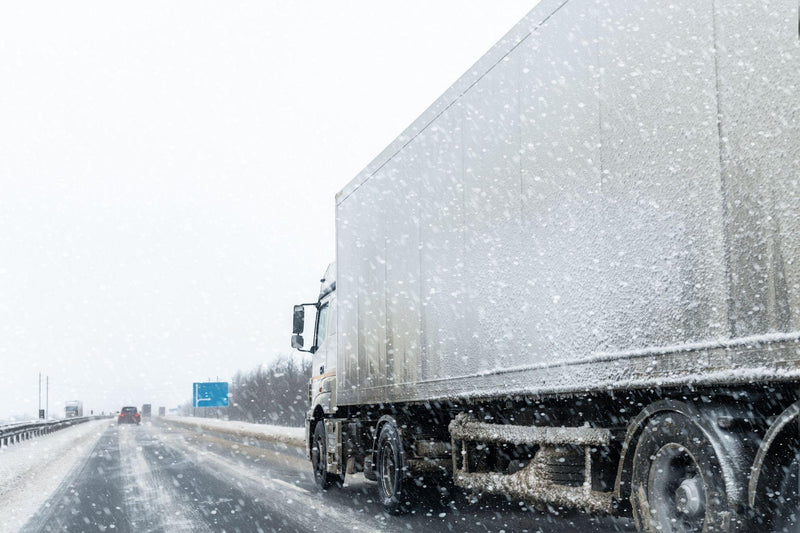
pixel 73 409
pixel 574 280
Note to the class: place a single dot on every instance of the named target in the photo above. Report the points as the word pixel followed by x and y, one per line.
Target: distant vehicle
pixel 73 409
pixel 146 410
pixel 129 415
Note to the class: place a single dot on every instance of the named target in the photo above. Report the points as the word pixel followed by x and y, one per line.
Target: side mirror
pixel 297 342
pixel 299 322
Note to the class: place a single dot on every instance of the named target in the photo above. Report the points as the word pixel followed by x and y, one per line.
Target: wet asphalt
pixel 161 477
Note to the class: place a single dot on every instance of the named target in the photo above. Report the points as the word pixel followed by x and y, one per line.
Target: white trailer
pixel 574 279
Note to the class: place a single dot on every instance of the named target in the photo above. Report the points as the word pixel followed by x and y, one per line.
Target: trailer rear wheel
pixel 677 484
pixel 322 478
pixel 785 503
pixel 393 485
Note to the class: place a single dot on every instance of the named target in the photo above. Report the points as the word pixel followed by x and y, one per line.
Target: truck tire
pixel 393 485
pixel 785 505
pixel 677 483
pixel 322 478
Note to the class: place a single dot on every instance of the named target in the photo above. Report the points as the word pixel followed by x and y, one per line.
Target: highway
pixel 164 477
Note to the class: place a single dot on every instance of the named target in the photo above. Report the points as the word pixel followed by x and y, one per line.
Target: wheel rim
pixel 388 470
pixel 317 455
pixel 676 491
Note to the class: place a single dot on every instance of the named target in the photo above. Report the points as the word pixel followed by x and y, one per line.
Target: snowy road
pixel 167 477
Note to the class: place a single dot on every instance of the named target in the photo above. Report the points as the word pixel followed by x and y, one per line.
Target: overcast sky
pixel 168 173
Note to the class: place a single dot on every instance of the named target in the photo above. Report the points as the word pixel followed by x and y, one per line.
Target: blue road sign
pixel 211 394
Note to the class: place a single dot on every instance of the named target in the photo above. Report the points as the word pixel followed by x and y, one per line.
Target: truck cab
pixel 73 409
pixel 321 387
pixel 323 433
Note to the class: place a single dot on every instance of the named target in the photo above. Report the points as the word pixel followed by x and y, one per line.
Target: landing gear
pixel 677 484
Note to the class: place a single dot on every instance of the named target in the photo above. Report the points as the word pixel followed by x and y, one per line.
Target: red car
pixel 129 415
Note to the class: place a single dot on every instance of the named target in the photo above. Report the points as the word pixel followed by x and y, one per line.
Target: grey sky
pixel 168 173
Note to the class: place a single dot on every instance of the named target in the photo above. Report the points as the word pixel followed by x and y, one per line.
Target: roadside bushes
pixel 275 394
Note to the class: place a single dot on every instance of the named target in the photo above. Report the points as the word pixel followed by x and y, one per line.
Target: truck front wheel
pixel 322 478
pixel 677 484
pixel 392 481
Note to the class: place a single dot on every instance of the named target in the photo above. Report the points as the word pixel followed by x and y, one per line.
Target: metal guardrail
pixel 14 433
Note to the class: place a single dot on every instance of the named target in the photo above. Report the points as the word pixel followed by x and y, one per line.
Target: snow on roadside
pixel 286 435
pixel 31 471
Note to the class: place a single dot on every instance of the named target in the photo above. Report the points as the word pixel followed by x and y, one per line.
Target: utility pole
pixel 39 411
pixel 47 400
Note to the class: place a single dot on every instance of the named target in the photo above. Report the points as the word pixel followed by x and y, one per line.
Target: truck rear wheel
pixel 677 484
pixel 392 481
pixel 785 504
pixel 322 478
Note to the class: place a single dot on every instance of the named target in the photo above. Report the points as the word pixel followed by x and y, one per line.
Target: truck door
pixel 324 358
pixel 320 334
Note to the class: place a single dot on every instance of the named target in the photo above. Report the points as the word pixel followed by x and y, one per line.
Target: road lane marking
pixel 289 485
